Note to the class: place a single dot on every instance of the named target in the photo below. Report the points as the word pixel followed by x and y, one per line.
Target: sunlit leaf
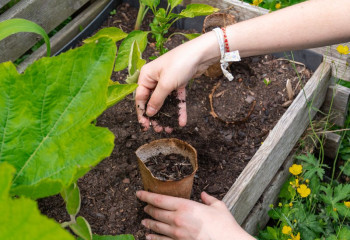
pixel 20 218
pixel 114 33
pixel 194 10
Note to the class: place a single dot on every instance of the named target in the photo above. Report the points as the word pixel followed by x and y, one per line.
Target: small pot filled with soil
pixel 168 166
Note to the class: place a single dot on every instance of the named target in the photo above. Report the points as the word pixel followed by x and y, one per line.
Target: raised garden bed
pixel 236 162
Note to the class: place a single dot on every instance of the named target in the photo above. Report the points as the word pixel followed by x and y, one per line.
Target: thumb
pixel 207 199
pixel 157 99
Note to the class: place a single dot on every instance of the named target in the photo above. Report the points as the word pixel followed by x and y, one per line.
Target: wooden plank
pixel 259 217
pixel 240 9
pixel 331 144
pixel 67 33
pixel 337 103
pixel 340 62
pixel 4 2
pixel 258 173
pixel 48 14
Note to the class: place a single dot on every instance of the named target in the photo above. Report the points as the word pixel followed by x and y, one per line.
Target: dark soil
pixel 108 191
pixel 168 115
pixel 171 167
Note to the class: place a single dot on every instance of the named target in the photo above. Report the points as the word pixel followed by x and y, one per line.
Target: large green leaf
pixel 135 60
pixel 117 92
pixel 46 114
pixel 116 34
pixel 20 218
pixel 16 25
pixel 122 60
pixel 194 10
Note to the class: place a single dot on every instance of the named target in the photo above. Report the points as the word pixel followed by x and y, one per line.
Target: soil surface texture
pixel 171 167
pixel 224 148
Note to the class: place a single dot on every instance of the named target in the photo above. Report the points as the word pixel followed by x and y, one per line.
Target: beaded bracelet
pixel 226 55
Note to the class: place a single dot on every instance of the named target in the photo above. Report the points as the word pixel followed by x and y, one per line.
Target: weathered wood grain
pixel 331 144
pixel 337 104
pixel 340 62
pixel 48 14
pixel 3 2
pixel 67 33
pixel 258 216
pixel 256 176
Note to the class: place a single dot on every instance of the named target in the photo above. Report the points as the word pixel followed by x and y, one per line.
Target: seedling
pixel 267 81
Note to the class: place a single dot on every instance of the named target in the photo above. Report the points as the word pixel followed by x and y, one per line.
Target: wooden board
pixel 259 217
pixel 337 103
pixel 48 14
pixel 340 62
pixel 67 33
pixel 3 2
pixel 259 172
pixel 331 144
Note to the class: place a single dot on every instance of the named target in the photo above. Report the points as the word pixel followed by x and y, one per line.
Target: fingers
pixel 164 216
pixel 157 99
pixel 157 237
pixel 207 199
pixel 141 97
pixel 160 201
pixel 181 95
pixel 158 227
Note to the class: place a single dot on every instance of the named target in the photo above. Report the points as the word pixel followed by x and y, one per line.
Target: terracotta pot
pixel 210 22
pixel 180 188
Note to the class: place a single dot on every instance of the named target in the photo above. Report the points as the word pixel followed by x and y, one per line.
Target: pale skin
pixel 310 24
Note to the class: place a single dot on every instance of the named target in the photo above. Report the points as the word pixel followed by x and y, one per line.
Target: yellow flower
pixel 256 2
pixel 296 169
pixel 295 184
pixel 290 204
pixel 297 237
pixel 280 204
pixel 343 49
pixel 278 5
pixel 347 204
pixel 334 209
pixel 286 230
pixel 303 190
pixel 295 221
pixel 307 180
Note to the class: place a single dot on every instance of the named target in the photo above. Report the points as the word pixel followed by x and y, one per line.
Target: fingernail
pixel 151 111
pixel 138 193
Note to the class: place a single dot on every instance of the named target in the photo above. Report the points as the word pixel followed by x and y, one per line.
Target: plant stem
pixel 140 16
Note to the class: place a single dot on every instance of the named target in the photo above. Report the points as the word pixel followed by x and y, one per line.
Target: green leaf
pixel 287 191
pixel 16 25
pixel 71 197
pixel 125 47
pixel 133 78
pixel 118 91
pixel 109 237
pixel 46 114
pixel 189 36
pixel 20 218
pixel 150 3
pixel 344 233
pixel 346 168
pixel 135 59
pixel 82 228
pixel 114 33
pixel 174 3
pixel 194 10
pixel 272 232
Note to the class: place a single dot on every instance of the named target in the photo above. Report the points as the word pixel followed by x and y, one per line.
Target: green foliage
pixel 16 25
pixel 117 92
pixel 310 206
pixel 273 5
pixel 116 34
pixel 71 196
pixel 122 60
pixel 20 217
pixel 267 81
pixel 135 63
pixel 81 228
pixel 52 127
